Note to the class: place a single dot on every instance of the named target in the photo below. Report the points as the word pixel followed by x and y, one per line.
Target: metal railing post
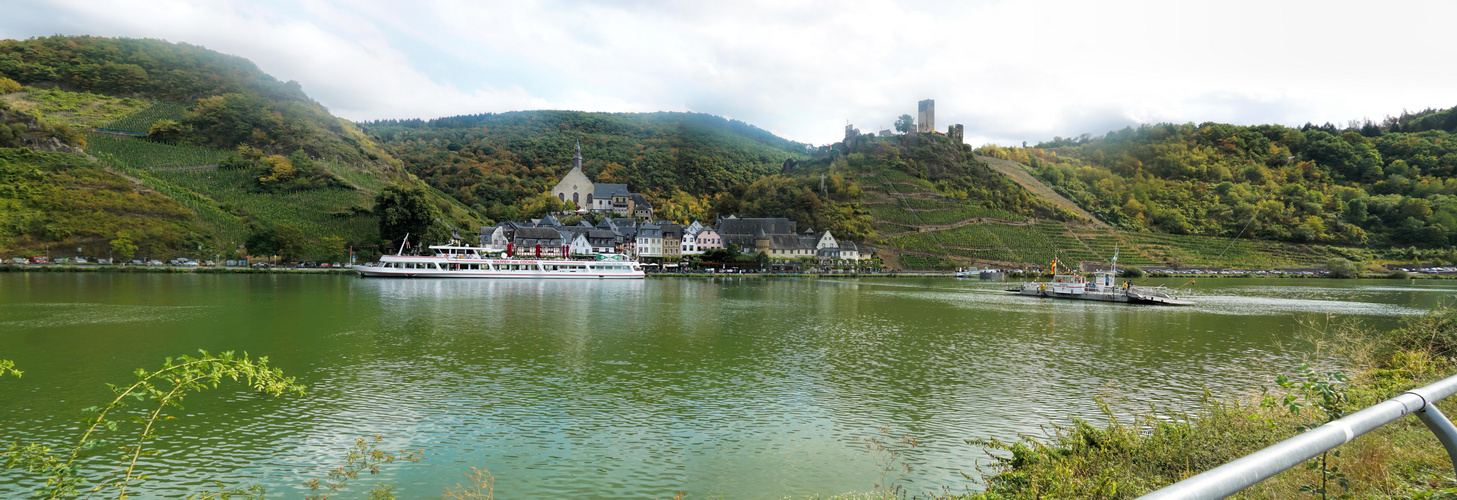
pixel 1249 470
pixel 1443 428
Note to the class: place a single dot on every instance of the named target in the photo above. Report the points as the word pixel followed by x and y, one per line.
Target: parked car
pixel 39 260
pixel 155 262
pixel 18 260
pixel 103 261
pixel 81 260
pixel 138 262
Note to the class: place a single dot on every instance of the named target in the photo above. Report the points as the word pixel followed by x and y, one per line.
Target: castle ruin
pixel 926 116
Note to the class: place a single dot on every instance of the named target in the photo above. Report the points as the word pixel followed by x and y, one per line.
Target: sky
pixel 1008 71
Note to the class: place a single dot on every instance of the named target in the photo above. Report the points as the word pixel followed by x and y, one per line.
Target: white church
pixel 585 195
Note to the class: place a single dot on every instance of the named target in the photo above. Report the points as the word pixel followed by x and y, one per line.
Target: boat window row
pixel 409 265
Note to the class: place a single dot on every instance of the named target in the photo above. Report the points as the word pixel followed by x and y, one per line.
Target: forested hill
pixel 230 161
pixel 498 163
pixel 1375 184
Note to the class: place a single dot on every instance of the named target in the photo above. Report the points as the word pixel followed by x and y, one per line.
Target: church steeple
pixel 577 160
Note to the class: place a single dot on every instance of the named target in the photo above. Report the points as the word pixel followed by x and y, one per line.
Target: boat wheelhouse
pixel 464 261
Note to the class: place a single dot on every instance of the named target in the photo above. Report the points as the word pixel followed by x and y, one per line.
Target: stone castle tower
pixel 926 116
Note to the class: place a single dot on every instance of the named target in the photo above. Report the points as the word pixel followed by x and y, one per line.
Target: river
pixel 740 388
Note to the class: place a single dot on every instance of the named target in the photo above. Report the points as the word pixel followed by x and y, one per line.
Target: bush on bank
pixel 1128 457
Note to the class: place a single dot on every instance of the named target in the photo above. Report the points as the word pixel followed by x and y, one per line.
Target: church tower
pixel 577 160
pixel 575 187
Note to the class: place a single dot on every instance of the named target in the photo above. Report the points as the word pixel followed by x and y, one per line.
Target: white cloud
pixel 1010 71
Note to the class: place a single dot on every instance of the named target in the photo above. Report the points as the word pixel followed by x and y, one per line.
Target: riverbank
pixel 1128 457
pixel 82 268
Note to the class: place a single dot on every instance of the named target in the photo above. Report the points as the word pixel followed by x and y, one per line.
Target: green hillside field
pixel 238 157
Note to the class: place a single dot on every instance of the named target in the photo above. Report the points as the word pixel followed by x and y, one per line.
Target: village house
pixel 649 240
pixel 672 240
pixel 538 242
pixel 776 238
pixel 603 194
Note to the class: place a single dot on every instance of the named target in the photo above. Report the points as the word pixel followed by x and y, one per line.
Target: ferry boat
pixel 463 261
pixel 1103 288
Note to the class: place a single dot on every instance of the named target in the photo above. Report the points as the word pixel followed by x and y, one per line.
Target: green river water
pixel 747 388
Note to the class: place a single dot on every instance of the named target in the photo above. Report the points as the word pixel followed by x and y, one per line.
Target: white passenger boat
pixel 463 261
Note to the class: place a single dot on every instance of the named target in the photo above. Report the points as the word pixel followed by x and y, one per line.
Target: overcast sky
pixel 1010 71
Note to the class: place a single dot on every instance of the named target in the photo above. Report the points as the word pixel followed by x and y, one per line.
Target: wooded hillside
pixel 1375 185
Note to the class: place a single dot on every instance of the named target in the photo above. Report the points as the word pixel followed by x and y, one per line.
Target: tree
pixel 291 242
pixel 279 169
pixel 331 248
pixel 1342 268
pixel 123 247
pixel 261 241
pixel 7 85
pixel 905 124
pixel 405 209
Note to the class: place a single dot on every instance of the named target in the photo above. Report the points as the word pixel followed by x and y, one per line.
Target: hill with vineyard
pixel 941 205
pixel 226 157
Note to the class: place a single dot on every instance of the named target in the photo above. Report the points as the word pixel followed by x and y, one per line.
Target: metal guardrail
pixel 1232 477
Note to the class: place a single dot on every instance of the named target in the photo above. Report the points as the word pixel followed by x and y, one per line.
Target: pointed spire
pixel 577 160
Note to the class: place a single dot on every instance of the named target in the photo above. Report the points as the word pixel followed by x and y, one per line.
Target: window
pixel 589 198
pixel 561 196
pixel 574 197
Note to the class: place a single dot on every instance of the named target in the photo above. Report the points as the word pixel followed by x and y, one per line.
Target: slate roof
pixel 538 233
pixel 639 202
pixel 730 226
pixel 605 191
pixel 650 230
pixel 789 242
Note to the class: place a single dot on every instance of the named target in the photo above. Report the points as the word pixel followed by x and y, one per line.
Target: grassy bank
pixel 1130 456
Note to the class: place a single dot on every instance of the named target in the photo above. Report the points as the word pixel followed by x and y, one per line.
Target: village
pixel 627 229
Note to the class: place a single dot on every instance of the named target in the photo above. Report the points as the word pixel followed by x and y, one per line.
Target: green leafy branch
pixel 166 387
pixel 1324 391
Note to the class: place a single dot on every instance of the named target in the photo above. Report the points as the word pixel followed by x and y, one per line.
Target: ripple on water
pixel 49 315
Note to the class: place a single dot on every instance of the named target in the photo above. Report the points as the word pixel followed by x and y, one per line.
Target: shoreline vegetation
pixel 1141 450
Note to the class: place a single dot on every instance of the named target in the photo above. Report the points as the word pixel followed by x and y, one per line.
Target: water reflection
pixel 633 389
